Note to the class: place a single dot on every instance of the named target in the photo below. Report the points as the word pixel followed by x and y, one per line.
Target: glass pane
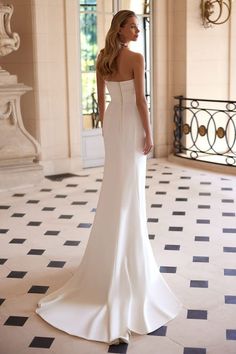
pixel 88 37
pixel 89 101
pixel 88 5
pixel 140 7
pixel 104 6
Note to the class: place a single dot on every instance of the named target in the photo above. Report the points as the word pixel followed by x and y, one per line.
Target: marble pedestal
pixel 18 149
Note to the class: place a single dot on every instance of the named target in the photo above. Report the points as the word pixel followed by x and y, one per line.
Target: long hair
pixel 106 60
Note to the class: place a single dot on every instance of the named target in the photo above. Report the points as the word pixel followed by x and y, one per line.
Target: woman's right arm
pixel 101 96
pixel 138 68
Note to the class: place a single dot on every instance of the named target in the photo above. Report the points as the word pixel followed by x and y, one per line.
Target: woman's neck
pixel 123 44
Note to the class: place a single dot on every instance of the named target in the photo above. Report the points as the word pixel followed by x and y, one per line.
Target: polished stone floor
pixel 192 230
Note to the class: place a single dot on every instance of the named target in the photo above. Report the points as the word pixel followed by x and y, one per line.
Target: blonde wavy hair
pixel 106 61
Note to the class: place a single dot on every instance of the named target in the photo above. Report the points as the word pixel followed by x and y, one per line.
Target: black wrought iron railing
pixel 205 130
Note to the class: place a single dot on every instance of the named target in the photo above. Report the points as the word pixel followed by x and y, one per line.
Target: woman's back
pixel 125 68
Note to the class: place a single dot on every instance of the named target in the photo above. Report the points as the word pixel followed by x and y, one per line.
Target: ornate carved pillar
pixel 18 149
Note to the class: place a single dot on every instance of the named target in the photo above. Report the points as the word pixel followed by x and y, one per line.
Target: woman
pixel 117 288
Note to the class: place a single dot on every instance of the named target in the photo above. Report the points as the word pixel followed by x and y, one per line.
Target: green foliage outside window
pixel 88 37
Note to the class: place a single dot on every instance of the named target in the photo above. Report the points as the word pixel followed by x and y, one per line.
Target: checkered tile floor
pixel 192 230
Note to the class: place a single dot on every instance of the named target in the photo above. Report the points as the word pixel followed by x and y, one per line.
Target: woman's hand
pixel 148 144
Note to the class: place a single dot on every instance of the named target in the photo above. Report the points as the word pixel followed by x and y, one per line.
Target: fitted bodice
pixel 121 91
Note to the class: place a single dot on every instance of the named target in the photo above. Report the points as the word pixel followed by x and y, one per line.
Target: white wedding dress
pixel 117 289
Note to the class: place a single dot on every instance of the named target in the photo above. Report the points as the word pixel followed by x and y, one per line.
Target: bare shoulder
pixel 136 55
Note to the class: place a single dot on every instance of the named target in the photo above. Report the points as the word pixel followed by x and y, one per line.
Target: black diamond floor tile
pixel 3 231
pixel 84 225
pixel 62 196
pixel 227 200
pixel 175 228
pixel 230 299
pixel 229 230
pixel 203 221
pixel 16 274
pixel 156 205
pixel 229 249
pixel 3 260
pixel 204 206
pixel 159 332
pixel 18 195
pixel 165 269
pixel 71 243
pixel 18 215
pixel 172 247
pixel 188 350
pixel 78 203
pixel 2 301
pixel 228 214
pixel 197 314
pixel 41 342
pixel 179 213
pixel 18 240
pixel 90 190
pixel 56 264
pixel 202 238
pixel 16 321
pixel 32 201
pixel 230 272
pixel 151 236
pixel 5 206
pixel 118 348
pixel 48 208
pixel 152 220
pixel 231 334
pixel 181 199
pixel 38 289
pixel 36 252
pixel 52 233
pixel 64 216
pixel 202 259
pixel 34 223
pixel 198 283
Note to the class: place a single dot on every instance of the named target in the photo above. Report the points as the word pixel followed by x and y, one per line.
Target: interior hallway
pixel 192 230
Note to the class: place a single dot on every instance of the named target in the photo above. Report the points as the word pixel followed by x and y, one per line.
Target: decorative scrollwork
pixel 206 133
pixel 186 129
pixel 5 110
pixel 8 41
pixel 215 12
pixel 202 130
pixel 220 132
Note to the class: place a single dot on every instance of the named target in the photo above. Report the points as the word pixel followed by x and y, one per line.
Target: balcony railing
pixel 205 130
